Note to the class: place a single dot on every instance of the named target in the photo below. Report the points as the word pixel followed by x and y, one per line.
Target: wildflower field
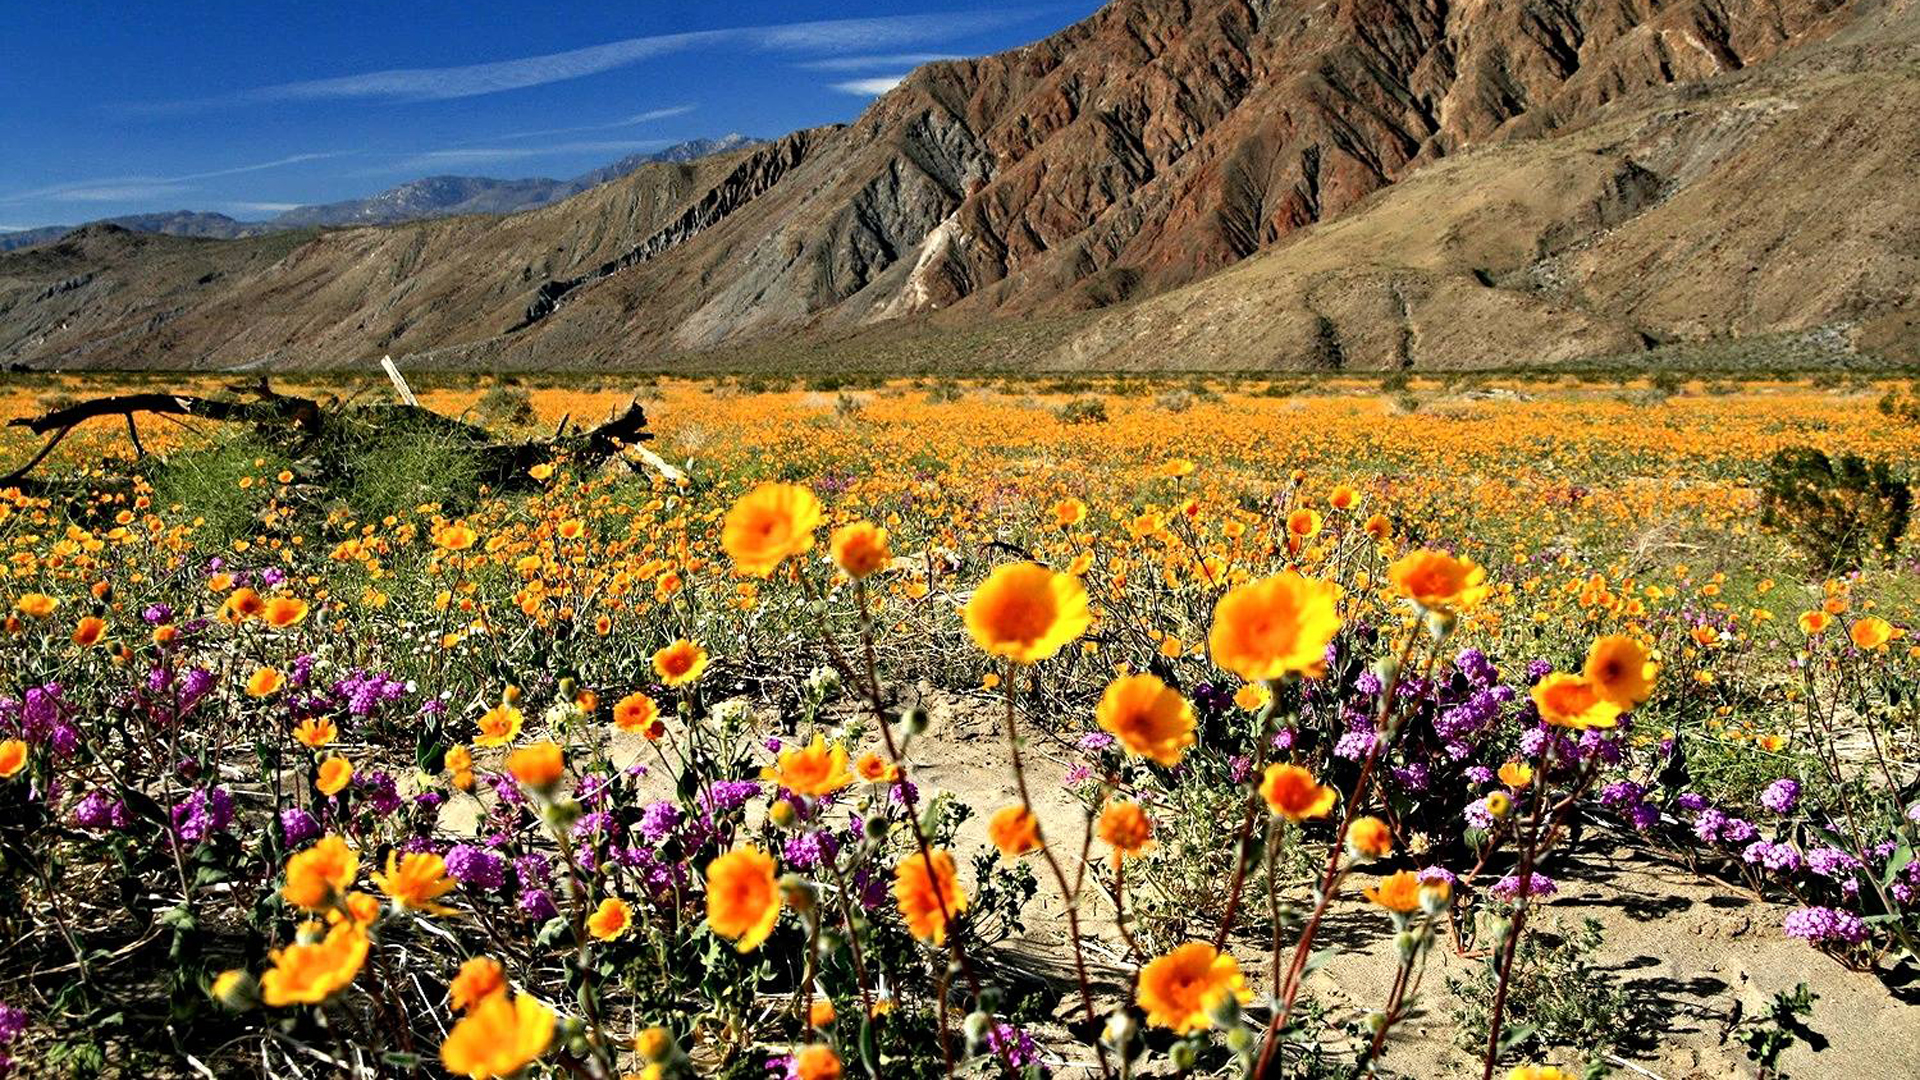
pixel 989 729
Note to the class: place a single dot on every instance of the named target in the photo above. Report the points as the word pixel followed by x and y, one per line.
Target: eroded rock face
pixel 1151 145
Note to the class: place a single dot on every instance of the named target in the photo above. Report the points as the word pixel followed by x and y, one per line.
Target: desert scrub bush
pixel 404 465
pixel 1556 995
pixel 1837 512
pixel 945 392
pixel 1083 410
pixel 226 485
pixel 1174 401
pixel 505 405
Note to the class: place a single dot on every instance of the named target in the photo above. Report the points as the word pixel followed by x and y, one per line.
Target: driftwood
pixel 303 424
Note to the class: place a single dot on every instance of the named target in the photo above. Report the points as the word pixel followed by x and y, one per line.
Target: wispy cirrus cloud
pixel 635 120
pixel 471 80
pixel 133 188
pixel 872 87
pixel 862 63
pixel 459 156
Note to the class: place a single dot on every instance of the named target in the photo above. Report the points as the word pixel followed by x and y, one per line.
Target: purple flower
pixel 1689 802
pixel 658 820
pixel 1781 796
pixel 476 868
pixel 203 813
pixel 809 850
pixel 1012 1045
pixel 1831 862
pixel 1095 741
pixel 1509 887
pixel 377 790
pixel 297 827
pixel 98 810
pixel 538 903
pixel 1825 924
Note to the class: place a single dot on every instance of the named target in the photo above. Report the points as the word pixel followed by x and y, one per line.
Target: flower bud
pixel 1439 624
pixel 1119 1030
pixel 1240 1040
pixel 1183 1055
pixel 1405 944
pixel 914 721
pixel 1376 1022
pixel 783 814
pixel 1226 1012
pixel 566 688
pixel 653 1044
pixel 977 1026
pixel 235 989
pixel 876 827
pixel 798 892
pixel 1435 896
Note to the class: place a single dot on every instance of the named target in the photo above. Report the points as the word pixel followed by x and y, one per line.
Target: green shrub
pixel 1556 996
pixel 505 406
pixel 1838 513
pixel 1085 410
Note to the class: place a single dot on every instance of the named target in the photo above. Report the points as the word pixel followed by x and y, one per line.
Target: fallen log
pixel 302 424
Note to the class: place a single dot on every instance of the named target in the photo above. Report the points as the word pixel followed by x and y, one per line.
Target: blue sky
pixel 248 108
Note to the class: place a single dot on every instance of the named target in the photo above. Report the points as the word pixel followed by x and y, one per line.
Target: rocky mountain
pixel 172 223
pixel 433 196
pixel 1268 184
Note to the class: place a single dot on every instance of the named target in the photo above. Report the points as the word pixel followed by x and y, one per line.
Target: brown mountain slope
pixel 1401 181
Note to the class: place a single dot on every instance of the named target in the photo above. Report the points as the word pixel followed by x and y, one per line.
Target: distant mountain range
pixel 430 197
pixel 1267 185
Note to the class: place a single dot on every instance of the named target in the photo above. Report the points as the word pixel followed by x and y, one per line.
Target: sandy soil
pixel 1691 951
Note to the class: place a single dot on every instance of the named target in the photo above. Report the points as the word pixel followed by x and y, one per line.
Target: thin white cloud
pixel 873 87
pixel 614 125
pixel 117 192
pixel 469 80
pixel 861 63
pixel 116 188
pixel 460 156
pixel 262 207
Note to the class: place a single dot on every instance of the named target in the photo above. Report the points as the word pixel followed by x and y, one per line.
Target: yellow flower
pixel 1293 793
pixel 1399 892
pixel 821 1013
pixel 415 881
pixel 1026 612
pixel 1014 831
pixel 315 732
pixel 680 663
pixel 1498 803
pixel 816 1061
pixel 499 726
pixel 1369 838
pixel 1571 701
pixel 284 611
pixel 1181 989
pixel 1516 774
pixel 13 758
pixel 244 604
pixel 1870 632
pixel 639 714
pixel 1069 512
pixel 498 1038
pixel 1539 1072
pixel 860 548
pixel 1176 468
pixel 264 682
pixel 319 873
pixel 814 769
pixel 334 775
pixel 36 605
pixel 1276 626
pixel 538 765
pixel 1438 581
pixel 875 769
pixel 1127 828
pixel 479 979
pixel 611 919
pixel 1813 622
pixel 1303 524
pixel 454 537
pixel 1619 671
pixel 87 633
pixel 308 974
pixel 928 901
pixel 1149 718
pixel 768 525
pixel 743 897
